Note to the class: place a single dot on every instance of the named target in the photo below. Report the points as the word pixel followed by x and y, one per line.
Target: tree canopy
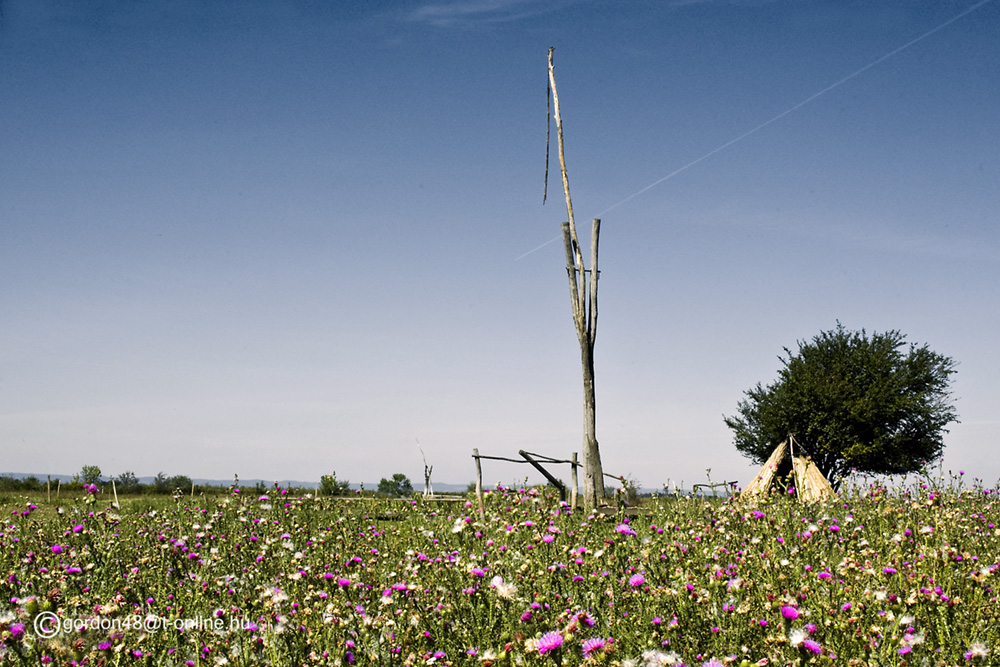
pixel 853 402
pixel 398 486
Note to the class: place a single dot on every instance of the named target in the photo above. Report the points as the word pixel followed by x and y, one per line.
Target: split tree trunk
pixel 584 317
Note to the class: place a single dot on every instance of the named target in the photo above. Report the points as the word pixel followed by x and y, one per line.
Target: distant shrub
pixel 329 485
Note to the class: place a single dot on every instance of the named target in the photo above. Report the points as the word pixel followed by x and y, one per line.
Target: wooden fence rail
pixel 535 460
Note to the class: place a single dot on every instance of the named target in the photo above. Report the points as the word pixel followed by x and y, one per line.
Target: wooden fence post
pixel 552 480
pixel 479 482
pixel 573 491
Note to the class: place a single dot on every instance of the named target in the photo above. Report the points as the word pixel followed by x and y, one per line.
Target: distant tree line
pixel 125 483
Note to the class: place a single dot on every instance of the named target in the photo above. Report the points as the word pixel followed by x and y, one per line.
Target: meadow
pixel 901 575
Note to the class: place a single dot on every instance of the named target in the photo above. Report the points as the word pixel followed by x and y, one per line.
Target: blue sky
pixel 283 239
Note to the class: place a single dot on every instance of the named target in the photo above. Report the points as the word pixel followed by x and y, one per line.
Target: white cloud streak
pixel 468 12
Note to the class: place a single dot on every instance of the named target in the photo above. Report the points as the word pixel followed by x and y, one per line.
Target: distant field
pixel 881 577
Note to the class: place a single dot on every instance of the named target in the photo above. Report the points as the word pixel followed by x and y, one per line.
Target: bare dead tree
pixel 428 487
pixel 584 316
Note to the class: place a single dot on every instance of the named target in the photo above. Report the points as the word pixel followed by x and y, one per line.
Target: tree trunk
pixel 584 317
pixel 593 471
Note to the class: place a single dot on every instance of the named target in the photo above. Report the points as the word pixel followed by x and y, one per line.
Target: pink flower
pixel 550 641
pixel 790 612
pixel 636 580
pixel 591 645
pixel 812 646
pixel 624 529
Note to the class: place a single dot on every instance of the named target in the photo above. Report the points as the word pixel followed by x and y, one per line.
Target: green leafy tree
pixel 127 482
pixel 31 483
pixel 398 486
pixel 182 482
pixel 852 402
pixel 329 485
pixel 161 484
pixel 91 475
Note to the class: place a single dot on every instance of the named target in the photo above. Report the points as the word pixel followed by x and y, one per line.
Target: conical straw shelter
pixel 810 484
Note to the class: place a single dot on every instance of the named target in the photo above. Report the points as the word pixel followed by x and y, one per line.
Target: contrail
pixel 781 115
pixel 798 106
pixel 537 249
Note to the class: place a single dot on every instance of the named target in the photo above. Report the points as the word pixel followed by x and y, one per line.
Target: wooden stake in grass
pixel 584 317
pixel 573 491
pixel 479 482
pixel 115 490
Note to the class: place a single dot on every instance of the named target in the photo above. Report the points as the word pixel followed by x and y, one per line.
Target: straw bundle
pixel 810 484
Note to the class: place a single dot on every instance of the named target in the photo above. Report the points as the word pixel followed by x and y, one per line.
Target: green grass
pixel 881 577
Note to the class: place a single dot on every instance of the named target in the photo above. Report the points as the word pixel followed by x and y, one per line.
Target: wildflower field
pixel 884 576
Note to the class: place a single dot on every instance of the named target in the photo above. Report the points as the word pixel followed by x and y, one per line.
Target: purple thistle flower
pixel 624 529
pixel 812 646
pixel 57 549
pixel 790 612
pixel 591 645
pixel 636 580
pixel 17 631
pixel 550 641
pixel 889 570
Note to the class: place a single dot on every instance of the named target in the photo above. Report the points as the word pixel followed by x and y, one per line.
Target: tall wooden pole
pixel 574 490
pixel 479 482
pixel 584 317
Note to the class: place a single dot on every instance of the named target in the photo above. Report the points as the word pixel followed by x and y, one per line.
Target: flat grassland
pixel 883 576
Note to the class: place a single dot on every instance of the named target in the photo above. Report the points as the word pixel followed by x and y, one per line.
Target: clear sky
pixel 286 239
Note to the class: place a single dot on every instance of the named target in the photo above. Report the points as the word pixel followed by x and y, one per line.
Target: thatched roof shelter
pixel 810 484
